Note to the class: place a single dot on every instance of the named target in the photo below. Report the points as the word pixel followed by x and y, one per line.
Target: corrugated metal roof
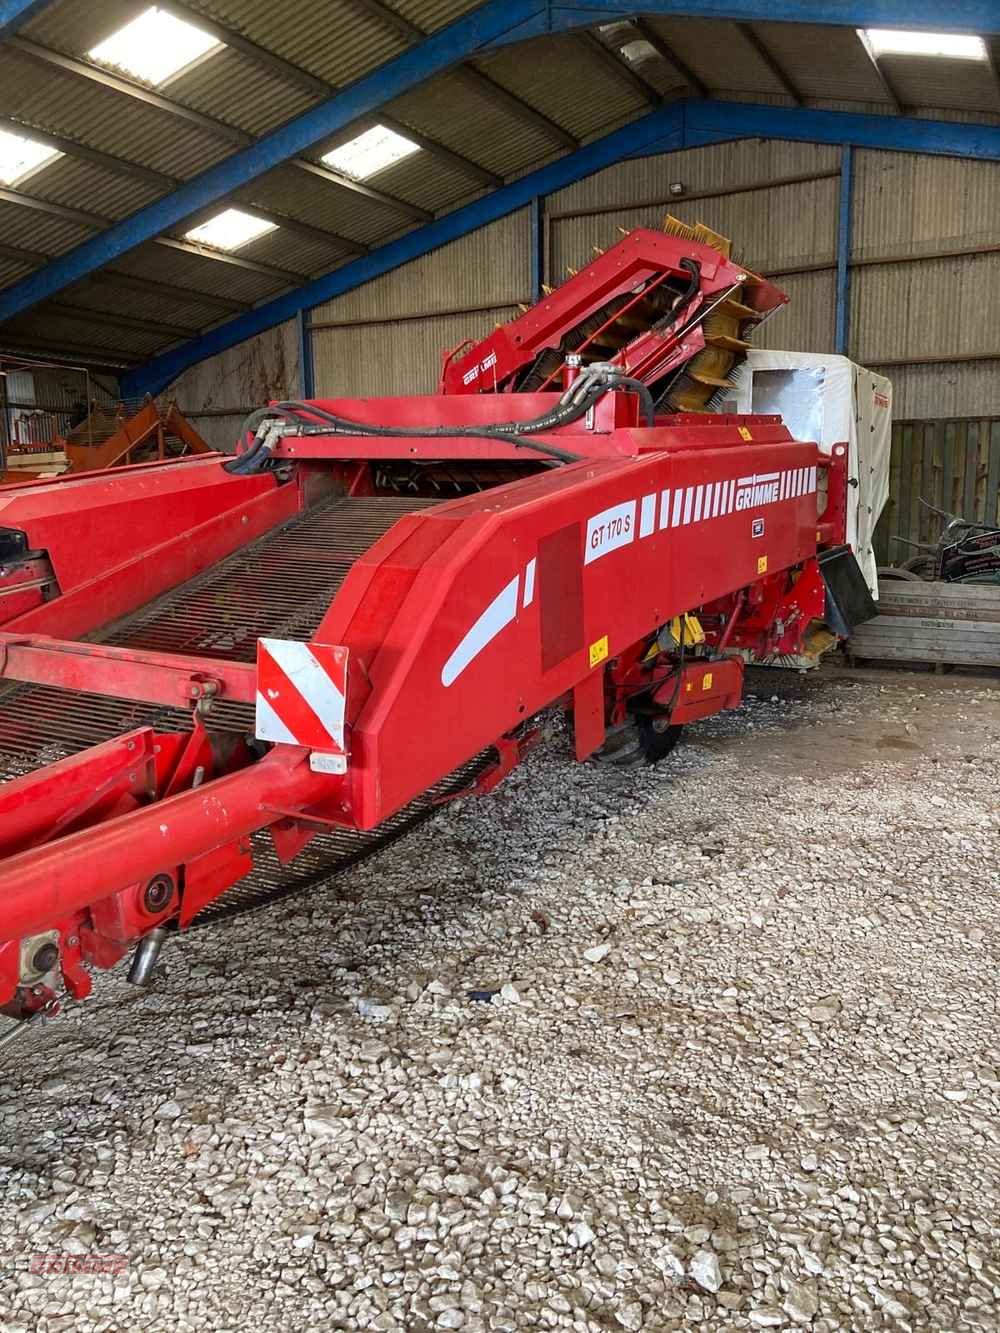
pixel 333 41
pixel 824 62
pixel 486 130
pixel 176 309
pixel 188 270
pixel 972 86
pixel 37 94
pixel 718 53
pixel 232 88
pixel 32 230
pixel 317 202
pixel 565 80
pixel 78 184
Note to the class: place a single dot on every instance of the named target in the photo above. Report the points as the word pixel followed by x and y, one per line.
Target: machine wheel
pixel 656 737
pixel 642 739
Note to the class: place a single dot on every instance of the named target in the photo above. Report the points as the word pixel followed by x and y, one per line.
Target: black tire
pixel 639 741
pixel 655 741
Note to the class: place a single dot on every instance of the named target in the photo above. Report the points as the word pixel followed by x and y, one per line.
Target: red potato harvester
pixel 223 678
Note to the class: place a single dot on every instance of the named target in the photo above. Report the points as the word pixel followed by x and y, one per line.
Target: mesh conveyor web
pixel 279 586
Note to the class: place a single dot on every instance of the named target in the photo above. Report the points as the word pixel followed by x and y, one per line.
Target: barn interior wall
pixel 924 276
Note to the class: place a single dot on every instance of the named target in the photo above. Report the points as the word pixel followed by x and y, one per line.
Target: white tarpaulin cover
pixel 830 400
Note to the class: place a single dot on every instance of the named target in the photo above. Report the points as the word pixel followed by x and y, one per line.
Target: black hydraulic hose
pixel 575 403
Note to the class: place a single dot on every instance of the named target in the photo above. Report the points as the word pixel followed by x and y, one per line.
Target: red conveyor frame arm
pixel 51 882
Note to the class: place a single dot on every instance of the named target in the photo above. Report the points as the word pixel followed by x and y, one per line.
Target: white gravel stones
pixel 597 953
pixel 705 1270
pixel 309 1124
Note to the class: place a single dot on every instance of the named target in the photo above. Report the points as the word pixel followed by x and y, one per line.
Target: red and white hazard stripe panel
pixel 301 698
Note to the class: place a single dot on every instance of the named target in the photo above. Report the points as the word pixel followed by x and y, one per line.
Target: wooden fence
pixel 954 464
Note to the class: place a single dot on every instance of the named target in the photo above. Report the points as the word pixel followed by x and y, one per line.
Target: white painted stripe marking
pixel 268 726
pixel 678 500
pixel 664 509
pixel 500 612
pixel 529 584
pixel 698 494
pixel 311 681
pixel 812 480
pixel 647 515
pixel 716 498
pixel 688 502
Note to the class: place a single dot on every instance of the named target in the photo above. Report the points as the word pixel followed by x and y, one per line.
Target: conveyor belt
pixel 280 586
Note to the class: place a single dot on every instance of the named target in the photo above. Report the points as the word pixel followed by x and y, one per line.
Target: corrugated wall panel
pixel 936 307
pixel 722 166
pixel 240 378
pixel 388 357
pixel 905 204
pixel 754 221
pixel 806 324
pixel 488 267
pixel 943 389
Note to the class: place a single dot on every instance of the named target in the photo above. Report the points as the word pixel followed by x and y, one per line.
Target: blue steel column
pixel 536 214
pixel 844 231
pixel 307 373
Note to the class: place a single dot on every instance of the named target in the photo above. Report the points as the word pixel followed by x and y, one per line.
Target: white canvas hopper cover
pixel 828 399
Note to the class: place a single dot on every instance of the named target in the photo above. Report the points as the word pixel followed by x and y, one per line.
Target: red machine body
pixel 311 648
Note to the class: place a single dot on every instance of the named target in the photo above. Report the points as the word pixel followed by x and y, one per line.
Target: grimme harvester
pixel 222 678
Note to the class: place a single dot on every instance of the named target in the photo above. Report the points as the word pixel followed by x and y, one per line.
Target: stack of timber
pixel 946 624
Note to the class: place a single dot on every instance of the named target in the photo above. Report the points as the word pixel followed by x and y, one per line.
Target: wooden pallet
pixel 945 624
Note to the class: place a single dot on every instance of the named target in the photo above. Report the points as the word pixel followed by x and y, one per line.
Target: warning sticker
pixel 599 650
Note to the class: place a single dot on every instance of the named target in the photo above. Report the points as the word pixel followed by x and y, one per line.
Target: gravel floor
pixel 741 1069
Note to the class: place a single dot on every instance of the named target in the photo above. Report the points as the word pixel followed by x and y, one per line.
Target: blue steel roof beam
pixel 408 70
pixel 15 13
pixel 683 124
pixel 962 16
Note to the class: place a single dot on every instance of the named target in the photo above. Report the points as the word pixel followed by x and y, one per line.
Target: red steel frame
pixel 460 624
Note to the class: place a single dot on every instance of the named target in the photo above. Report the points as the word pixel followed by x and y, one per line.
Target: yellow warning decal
pixel 745 433
pixel 762 564
pixel 706 681
pixel 599 650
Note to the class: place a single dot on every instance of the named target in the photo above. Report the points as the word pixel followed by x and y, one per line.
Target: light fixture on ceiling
pixel 20 157
pixel 229 230
pixel 370 152
pixel 951 45
pixel 154 46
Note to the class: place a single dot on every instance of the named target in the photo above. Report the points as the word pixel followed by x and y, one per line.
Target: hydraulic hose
pixel 593 382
